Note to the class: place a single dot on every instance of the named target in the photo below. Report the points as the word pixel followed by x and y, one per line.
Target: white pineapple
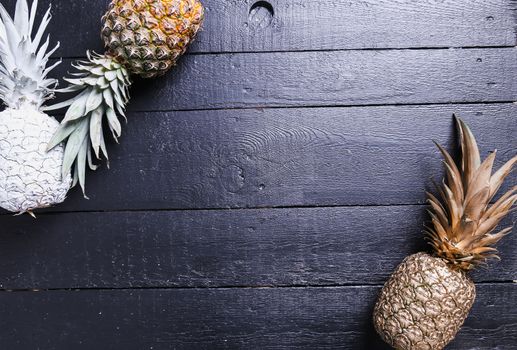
pixel 30 177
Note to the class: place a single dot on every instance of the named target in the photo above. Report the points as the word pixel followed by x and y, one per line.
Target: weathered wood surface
pixel 287 157
pixel 265 247
pixel 255 318
pixel 349 180
pixel 343 78
pixel 231 26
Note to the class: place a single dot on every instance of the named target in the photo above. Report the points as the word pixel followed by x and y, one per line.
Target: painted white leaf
pixel 61 134
pixel 77 109
pixel 94 100
pixel 111 75
pixel 96 129
pixel 81 165
pixel 73 145
pixel 108 98
pixel 114 123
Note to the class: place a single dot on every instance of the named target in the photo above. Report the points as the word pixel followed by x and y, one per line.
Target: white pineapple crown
pixel 23 61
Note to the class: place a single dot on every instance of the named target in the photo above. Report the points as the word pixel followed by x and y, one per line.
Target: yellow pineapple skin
pixel 423 304
pixel 148 36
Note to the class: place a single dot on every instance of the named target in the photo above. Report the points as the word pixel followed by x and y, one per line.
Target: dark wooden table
pixel 266 188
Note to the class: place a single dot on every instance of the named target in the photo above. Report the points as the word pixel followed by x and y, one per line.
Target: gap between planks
pixel 271 106
pixel 279 207
pixel 294 286
pixel 145 210
pixel 415 48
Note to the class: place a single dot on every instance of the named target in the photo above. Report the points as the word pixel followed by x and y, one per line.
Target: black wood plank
pixel 343 78
pixel 285 318
pixel 332 78
pixel 266 247
pixel 287 157
pixel 312 25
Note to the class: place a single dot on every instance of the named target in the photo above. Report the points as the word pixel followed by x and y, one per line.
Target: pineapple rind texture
pixel 149 36
pixel 30 177
pixel 423 304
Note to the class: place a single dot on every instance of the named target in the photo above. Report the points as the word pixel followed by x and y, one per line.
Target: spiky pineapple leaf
pixel 96 129
pixel 62 134
pixel 102 86
pixel 81 163
pixel 498 177
pixel 500 204
pixel 60 105
pixel 102 83
pixel 91 165
pixel 111 75
pixel 463 221
pixel 470 153
pixel 77 109
pixel 75 140
pixel 94 99
pixel 114 123
pixel 24 61
pixel 453 174
pixel 108 98
pixel 21 17
pixel 104 150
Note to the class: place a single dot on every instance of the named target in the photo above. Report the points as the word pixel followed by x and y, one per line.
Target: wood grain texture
pixel 137 268
pixel 285 318
pixel 331 78
pixel 312 25
pixel 346 78
pixel 287 157
pixel 268 247
pixel 310 79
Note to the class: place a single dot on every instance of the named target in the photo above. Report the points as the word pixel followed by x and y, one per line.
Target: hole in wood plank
pixel 261 15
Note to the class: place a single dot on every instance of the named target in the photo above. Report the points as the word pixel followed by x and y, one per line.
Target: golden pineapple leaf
pixel 462 219
pixel 470 159
pixel 453 173
pixel 498 177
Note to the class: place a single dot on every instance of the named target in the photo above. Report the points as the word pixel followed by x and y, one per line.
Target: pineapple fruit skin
pixel 423 304
pixel 148 36
pixel 30 177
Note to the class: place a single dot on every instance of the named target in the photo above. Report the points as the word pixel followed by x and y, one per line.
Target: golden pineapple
pixel 428 297
pixel 148 36
pixel 142 37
